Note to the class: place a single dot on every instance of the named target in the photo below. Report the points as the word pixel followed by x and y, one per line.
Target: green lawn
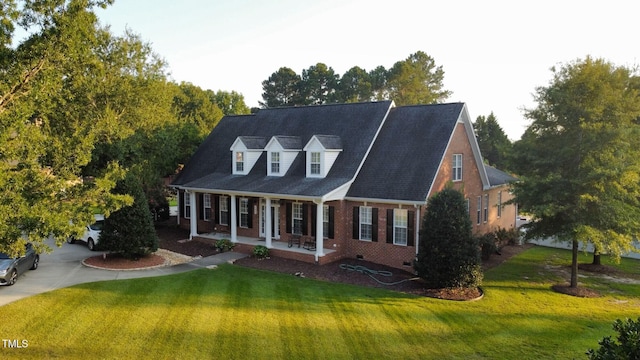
pixel 239 313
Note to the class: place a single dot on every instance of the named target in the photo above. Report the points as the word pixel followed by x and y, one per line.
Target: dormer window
pixel 240 162
pixel 275 162
pixel 321 153
pixel 315 163
pixel 245 151
pixel 281 152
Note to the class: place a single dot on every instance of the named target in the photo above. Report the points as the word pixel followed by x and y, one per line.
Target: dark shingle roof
pixel 290 142
pixel 498 177
pixel 210 166
pixel 253 142
pixel 330 142
pixel 406 155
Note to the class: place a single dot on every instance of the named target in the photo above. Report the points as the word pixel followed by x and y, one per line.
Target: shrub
pixel 627 347
pixel 130 231
pixel 448 254
pixel 261 252
pixel 224 245
pixel 488 244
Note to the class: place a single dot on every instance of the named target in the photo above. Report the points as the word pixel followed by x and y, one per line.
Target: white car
pixel 91 233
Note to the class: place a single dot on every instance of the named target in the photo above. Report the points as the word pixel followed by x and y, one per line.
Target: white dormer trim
pixel 286 157
pixel 242 157
pixel 319 159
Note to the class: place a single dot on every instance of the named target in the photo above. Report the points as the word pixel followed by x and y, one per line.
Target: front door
pixel 275 219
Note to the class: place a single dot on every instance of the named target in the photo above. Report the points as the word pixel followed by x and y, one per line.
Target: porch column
pixel 234 220
pixel 319 229
pixel 179 198
pixel 417 227
pixel 267 222
pixel 193 215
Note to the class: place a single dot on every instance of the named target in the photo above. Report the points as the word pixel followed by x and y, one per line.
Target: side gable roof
pixel 498 177
pixel 253 142
pixel 210 167
pixel 289 142
pixel 406 156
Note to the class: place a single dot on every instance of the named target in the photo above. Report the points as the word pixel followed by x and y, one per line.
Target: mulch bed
pixel 348 271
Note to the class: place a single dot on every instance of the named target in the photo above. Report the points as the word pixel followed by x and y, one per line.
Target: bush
pixel 627 347
pixel 448 254
pixel 261 252
pixel 224 245
pixel 130 231
pixel 488 244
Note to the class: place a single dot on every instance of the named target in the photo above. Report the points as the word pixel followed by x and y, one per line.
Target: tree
pixel 47 133
pixel 231 103
pixel 627 347
pixel 354 86
pixel 493 142
pixel 318 85
pixel 282 88
pixel 448 254
pixel 129 231
pixel 578 161
pixel 416 80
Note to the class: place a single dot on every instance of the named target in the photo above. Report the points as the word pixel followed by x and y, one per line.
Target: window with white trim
pixel 297 218
pixel 275 162
pixel 479 210
pixel 486 208
pixel 223 212
pixel 244 212
pixel 315 163
pixel 325 221
pixel 366 226
pixel 187 205
pixel 206 205
pixel 239 161
pixel 457 167
pixel 499 203
pixel 400 226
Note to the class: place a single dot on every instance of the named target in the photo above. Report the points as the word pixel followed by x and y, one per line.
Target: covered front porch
pixel 281 247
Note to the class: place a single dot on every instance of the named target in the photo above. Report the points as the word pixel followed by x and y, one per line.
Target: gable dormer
pixel 281 151
pixel 245 151
pixel 321 152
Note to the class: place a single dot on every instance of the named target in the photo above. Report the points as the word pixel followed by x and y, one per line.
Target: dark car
pixel 11 268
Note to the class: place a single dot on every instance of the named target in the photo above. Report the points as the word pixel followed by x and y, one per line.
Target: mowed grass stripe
pixel 239 313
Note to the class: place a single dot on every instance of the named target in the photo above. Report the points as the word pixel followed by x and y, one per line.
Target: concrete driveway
pixel 63 267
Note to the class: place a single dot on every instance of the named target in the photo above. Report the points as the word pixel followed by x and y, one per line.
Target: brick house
pixel 320 183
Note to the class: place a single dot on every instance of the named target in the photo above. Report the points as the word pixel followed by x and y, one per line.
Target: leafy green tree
pixel 378 78
pixel 448 253
pixel 197 106
pixel 416 80
pixel 354 86
pixel 579 162
pixel 282 88
pixel 493 142
pixel 47 132
pixel 231 103
pixel 318 85
pixel 627 346
pixel 129 231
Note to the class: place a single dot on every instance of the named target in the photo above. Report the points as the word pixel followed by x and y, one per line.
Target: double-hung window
pixel 486 208
pixel 206 205
pixel 297 218
pixel 400 226
pixel 244 213
pixel 479 210
pixel 187 205
pixel 325 221
pixel 275 162
pixel 457 167
pixel 315 163
pixel 366 226
pixel 224 210
pixel 239 161
pixel 499 203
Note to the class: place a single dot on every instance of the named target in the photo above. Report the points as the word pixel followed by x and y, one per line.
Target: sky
pixel 494 53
